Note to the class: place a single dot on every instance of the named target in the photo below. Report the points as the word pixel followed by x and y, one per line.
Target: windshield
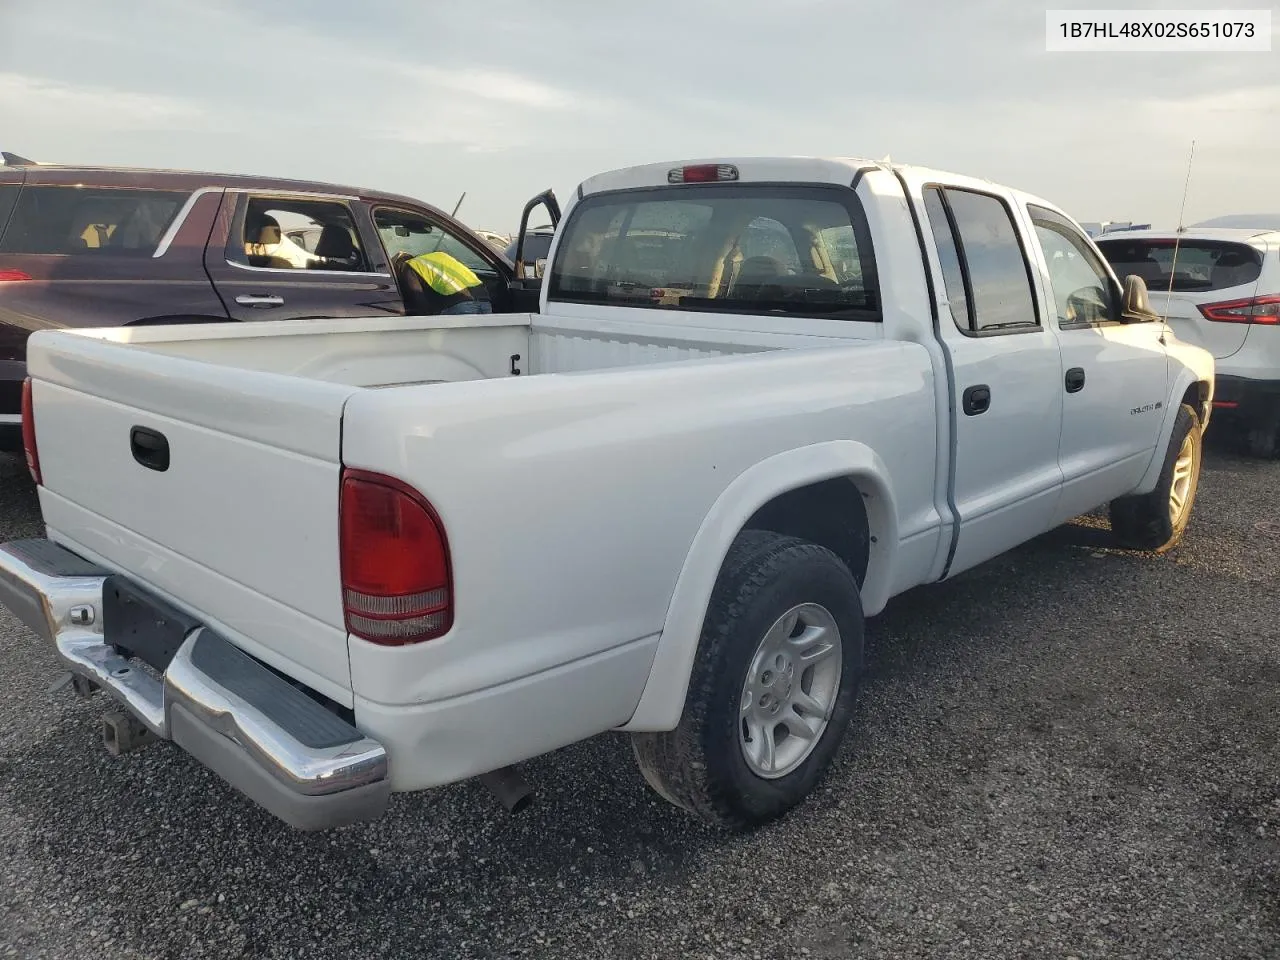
pixel 741 249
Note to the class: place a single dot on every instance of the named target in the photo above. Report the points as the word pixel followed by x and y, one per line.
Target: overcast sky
pixel 503 98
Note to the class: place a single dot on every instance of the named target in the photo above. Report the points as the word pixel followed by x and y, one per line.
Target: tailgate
pixel 240 528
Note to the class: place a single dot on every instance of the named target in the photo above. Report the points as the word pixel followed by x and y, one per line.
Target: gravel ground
pixel 1069 752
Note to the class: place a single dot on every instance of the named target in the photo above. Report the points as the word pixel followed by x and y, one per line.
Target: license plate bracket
pixel 142 625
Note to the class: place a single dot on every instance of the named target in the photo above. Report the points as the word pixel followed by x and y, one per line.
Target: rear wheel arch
pixel 785 495
pixel 831 513
pixel 778 667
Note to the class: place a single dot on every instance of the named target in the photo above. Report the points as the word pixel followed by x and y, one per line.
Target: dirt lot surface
pixel 1071 751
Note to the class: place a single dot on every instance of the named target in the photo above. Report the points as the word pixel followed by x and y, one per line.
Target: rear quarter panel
pixel 571 500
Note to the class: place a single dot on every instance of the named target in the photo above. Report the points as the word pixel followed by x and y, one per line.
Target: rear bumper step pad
pixel 269 740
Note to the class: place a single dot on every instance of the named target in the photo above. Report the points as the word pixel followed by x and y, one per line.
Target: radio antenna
pixel 1177 240
pixel 1185 187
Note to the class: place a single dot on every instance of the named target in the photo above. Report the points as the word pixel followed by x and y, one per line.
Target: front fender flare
pixel 662 700
pixel 1182 381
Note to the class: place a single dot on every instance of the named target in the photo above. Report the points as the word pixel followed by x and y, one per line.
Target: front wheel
pixel 1156 521
pixel 776 673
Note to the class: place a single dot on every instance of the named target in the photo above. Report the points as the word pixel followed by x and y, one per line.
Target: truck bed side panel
pixel 571 501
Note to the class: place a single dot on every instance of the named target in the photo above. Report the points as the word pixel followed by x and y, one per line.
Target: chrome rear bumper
pixel 268 739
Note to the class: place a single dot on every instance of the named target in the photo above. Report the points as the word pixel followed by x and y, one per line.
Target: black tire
pixel 700 765
pixel 1146 522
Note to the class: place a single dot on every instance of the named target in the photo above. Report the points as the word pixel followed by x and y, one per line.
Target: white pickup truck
pixel 338 559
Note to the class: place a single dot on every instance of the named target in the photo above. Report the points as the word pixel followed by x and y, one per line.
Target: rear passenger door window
pixel 279 233
pixel 290 257
pixel 89 221
pixel 985 268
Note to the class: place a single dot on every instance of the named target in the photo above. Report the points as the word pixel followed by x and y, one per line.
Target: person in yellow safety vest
pixel 449 286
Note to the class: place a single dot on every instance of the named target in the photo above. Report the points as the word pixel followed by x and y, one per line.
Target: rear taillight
pixel 29 432
pixel 703 173
pixel 13 275
pixel 1254 310
pixel 396 582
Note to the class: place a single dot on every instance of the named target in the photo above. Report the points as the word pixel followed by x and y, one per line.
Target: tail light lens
pixel 1265 310
pixel 703 173
pixel 396 581
pixel 29 433
pixel 14 275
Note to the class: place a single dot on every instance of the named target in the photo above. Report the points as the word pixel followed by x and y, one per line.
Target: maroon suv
pixel 96 247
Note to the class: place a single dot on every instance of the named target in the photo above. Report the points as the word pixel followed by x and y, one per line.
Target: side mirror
pixel 1137 307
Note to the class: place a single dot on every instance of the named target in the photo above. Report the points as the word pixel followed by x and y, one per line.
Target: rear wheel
pixel 1157 520
pixel 777 670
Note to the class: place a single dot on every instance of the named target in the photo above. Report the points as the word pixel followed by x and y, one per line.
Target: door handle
pixel 150 448
pixel 259 300
pixel 1075 380
pixel 976 399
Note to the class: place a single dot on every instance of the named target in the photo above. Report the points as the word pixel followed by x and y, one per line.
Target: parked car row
pixel 757 399
pixel 88 247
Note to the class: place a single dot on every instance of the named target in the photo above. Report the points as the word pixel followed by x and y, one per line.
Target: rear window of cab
pixel 741 248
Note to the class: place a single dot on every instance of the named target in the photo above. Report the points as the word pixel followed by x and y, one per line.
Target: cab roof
pixel 801 169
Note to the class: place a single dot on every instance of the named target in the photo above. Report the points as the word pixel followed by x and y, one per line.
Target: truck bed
pixel 240 525
pixel 394 351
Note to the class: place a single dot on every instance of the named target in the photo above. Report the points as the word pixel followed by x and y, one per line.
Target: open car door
pixel 533 271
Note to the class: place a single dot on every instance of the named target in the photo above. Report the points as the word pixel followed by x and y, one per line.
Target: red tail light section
pixel 13 275
pixel 396 581
pixel 29 433
pixel 1264 310
pixel 703 173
